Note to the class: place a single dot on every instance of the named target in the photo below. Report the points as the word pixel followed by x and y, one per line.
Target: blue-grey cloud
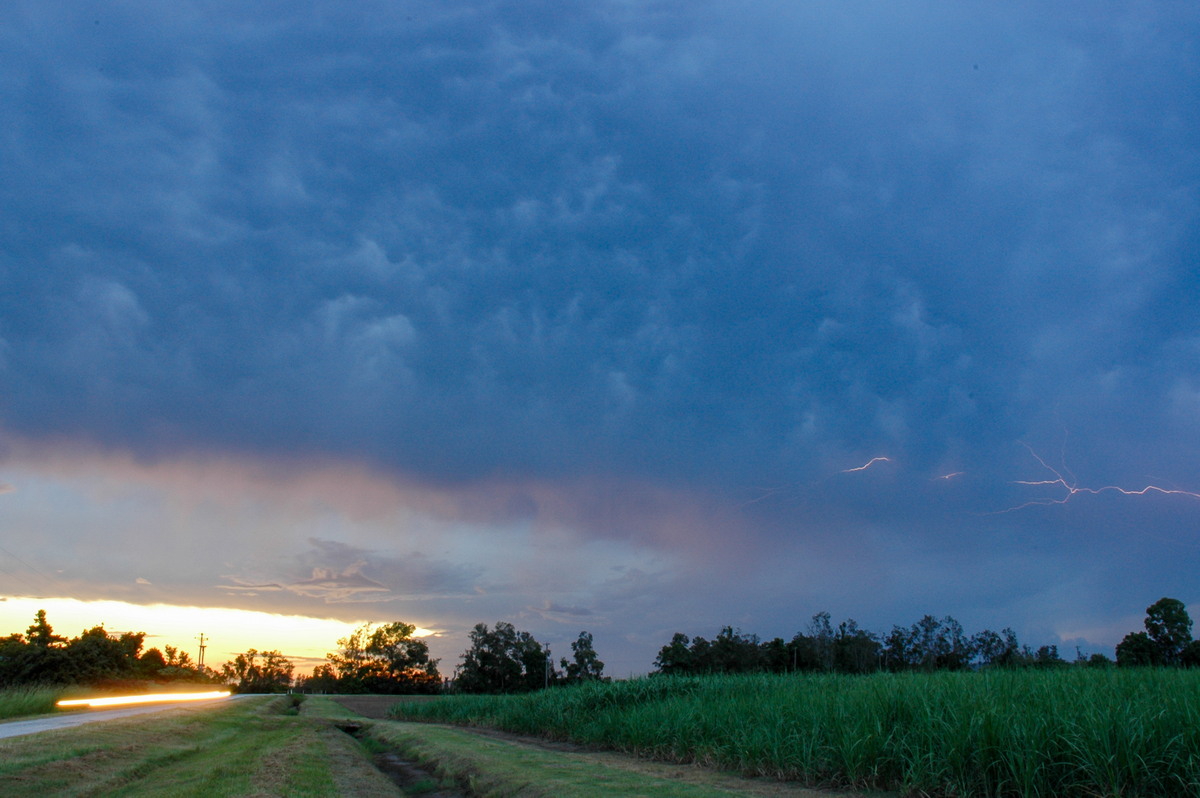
pixel 732 252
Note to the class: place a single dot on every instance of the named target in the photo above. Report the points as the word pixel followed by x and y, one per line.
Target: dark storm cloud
pixel 737 249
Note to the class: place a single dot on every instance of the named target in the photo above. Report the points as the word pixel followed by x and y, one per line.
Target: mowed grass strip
pixel 490 765
pixel 252 746
pixel 1071 732
pixel 492 768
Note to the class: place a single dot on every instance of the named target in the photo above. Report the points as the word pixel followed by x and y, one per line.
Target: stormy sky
pixel 587 315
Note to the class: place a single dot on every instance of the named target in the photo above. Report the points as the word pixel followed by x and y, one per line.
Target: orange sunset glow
pixel 228 632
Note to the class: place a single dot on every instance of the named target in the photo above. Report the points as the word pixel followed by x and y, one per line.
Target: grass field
pixel 1070 732
pixel 256 746
pixel 18 701
pixel 264 746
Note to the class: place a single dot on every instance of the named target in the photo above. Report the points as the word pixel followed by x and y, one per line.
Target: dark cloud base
pixel 726 255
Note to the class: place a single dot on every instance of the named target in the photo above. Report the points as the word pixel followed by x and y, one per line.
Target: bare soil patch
pixel 375 706
pixel 404 773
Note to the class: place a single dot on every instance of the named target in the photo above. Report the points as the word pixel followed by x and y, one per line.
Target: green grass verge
pixel 488 767
pixel 20 701
pixel 1072 732
pixel 495 767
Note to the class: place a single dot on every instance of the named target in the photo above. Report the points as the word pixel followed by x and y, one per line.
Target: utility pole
pixel 200 662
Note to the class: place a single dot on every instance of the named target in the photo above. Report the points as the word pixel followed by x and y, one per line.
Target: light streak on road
pixel 149 698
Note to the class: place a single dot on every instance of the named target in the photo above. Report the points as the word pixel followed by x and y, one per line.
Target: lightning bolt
pixel 1072 487
pixel 801 489
pixel 867 465
pixel 951 475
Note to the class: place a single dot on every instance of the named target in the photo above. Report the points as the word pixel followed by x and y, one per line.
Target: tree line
pixel 372 659
pixel 930 644
pixel 1166 641
pixel 502 659
pixel 96 656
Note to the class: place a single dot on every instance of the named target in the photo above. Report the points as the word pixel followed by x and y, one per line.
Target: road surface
pixel 16 728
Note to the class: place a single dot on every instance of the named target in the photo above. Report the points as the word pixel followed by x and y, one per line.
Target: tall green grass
pixel 1071 732
pixel 18 701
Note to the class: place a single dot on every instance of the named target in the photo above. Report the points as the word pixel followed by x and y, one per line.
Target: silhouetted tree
pixel 585 665
pixel 777 656
pixel 1166 640
pixel 1047 657
pixel 504 660
pixel 96 655
pixel 855 650
pixel 1169 627
pixel 954 649
pixel 258 672
pixel 734 652
pixel 898 651
pixel 384 659
pixel 1137 649
pixel 675 658
pixel 38 657
pixel 41 635
pixel 820 631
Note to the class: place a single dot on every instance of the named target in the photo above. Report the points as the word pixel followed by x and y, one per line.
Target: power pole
pixel 200 662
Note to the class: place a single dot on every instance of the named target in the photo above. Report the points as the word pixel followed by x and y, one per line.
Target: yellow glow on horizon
pixel 303 639
pixel 149 698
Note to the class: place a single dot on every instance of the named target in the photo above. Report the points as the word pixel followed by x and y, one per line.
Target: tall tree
pixel 675 658
pixel 820 630
pixel 41 635
pixel 97 655
pixel 259 672
pixel 735 652
pixel 855 650
pixel 585 665
pixel 385 659
pixel 1169 627
pixel 954 650
pixel 1137 649
pixel 898 649
pixel 504 660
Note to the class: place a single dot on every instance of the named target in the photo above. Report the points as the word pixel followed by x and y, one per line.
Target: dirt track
pixel 374 706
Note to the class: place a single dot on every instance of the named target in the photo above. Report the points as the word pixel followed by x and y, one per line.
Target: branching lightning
pixel 1070 484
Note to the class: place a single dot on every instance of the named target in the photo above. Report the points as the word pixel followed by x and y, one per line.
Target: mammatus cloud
pixel 401 315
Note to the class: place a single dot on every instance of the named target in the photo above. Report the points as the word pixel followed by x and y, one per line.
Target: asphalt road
pixel 16 728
